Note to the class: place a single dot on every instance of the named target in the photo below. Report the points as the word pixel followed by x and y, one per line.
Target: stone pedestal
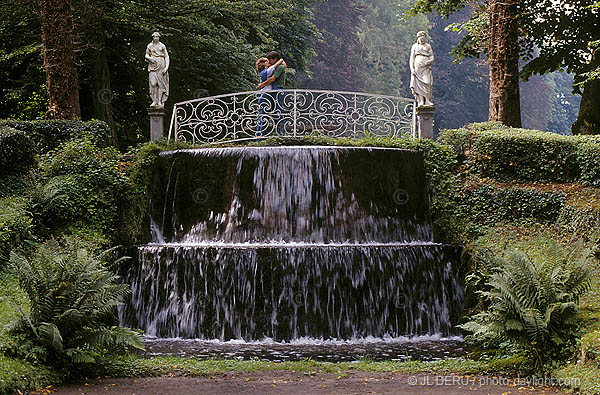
pixel 425 121
pixel 157 123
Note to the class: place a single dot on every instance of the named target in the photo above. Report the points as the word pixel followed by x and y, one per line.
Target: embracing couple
pixel 271 71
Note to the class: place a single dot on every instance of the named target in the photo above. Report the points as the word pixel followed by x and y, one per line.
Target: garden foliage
pixel 16 151
pixel 80 182
pixel 73 296
pixel 48 135
pixel 511 154
pixel 530 302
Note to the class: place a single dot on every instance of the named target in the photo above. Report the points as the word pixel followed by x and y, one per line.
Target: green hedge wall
pixel 493 150
pixel 48 135
pixel 16 151
pixel 487 205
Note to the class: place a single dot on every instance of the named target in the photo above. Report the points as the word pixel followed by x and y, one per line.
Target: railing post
pixel 173 123
pixel 356 120
pixel 295 112
pixel 414 120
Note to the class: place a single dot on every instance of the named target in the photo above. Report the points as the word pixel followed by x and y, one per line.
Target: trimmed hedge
pixel 489 205
pixel 493 150
pixel 588 158
pixel 48 135
pixel 16 151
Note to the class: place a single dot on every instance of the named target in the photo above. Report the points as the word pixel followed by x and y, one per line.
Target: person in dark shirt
pixel 277 79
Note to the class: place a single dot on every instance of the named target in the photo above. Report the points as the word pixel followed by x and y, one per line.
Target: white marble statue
pixel 158 68
pixel 421 79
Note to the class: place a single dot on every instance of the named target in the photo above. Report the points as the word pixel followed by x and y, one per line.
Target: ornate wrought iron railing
pixel 256 115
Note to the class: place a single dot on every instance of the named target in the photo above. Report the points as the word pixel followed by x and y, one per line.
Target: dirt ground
pixel 291 383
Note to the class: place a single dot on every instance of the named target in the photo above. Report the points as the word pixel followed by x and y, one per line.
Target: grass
pixel 15 374
pixel 133 366
pixel 10 296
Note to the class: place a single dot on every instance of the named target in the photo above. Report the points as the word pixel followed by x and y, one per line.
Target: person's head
pixel 421 37
pixel 261 64
pixel 273 57
pixel 155 36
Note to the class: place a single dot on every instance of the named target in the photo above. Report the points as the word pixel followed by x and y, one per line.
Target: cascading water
pixel 292 242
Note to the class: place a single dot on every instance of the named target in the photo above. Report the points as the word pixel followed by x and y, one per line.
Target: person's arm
pixel 275 75
pixel 280 62
pixel 266 82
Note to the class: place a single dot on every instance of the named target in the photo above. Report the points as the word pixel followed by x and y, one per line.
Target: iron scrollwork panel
pixel 253 115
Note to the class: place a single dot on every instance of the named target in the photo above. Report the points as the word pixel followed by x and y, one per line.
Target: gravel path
pixel 291 383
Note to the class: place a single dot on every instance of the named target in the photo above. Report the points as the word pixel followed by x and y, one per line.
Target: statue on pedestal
pixel 158 68
pixel 421 79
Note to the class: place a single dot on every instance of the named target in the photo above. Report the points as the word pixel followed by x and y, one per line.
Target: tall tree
pixel 503 57
pixel 552 35
pixel 588 120
pixel 565 35
pixel 62 82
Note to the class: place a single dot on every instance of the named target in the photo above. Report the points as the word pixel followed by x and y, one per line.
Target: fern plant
pixel 71 294
pixel 532 303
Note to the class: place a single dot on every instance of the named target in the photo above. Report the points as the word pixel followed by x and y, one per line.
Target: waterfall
pixel 290 242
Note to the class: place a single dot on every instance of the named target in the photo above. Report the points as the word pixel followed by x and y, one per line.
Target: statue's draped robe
pixel 422 79
pixel 158 79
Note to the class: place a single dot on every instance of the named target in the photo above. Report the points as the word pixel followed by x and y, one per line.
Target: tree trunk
pixel 103 95
pixel 59 59
pixel 503 54
pixel 588 119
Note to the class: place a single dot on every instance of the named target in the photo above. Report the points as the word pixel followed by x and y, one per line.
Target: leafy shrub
pixel 581 222
pixel 532 303
pixel 15 226
pixel 135 222
pixel 588 158
pixel 16 151
pixel 81 182
pixel 462 139
pixel 493 150
pixel 71 294
pixel 48 135
pixel 488 205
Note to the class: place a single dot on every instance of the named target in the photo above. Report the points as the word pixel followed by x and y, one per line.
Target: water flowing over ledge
pixel 289 243
pixel 286 194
